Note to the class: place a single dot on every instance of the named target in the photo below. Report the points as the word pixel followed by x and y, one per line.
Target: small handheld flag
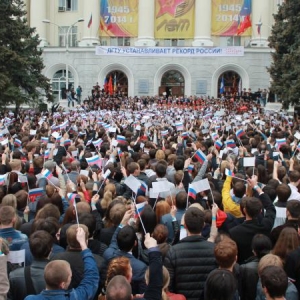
pixel 36 192
pixel 229 173
pixel 121 139
pixel 47 174
pixel 200 156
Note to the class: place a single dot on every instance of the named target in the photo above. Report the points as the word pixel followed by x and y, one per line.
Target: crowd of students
pixel 161 202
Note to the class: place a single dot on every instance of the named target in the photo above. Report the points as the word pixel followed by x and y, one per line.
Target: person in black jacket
pixel 244 233
pixel 191 260
pixel 119 288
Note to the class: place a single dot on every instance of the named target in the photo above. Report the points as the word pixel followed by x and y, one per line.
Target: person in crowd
pixel 14 237
pixel 30 279
pixel 190 261
pixel 122 243
pixel 255 223
pixel 274 263
pixel 119 288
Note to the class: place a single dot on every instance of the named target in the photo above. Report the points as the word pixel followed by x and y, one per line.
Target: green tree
pixel 285 40
pixel 21 63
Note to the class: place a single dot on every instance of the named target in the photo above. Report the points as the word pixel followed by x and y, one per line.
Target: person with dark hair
pixel 283 192
pixel 51 226
pixel 255 223
pixel 191 260
pixel 30 280
pixel 113 217
pixel 119 288
pixel 274 282
pixel 294 177
pixel 94 245
pixel 292 216
pixel 261 245
pixel 180 203
pixel 58 275
pixel 122 242
pixel 220 285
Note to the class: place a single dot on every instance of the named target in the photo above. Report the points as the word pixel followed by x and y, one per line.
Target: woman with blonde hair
pixel 11 200
pixel 108 196
pixel 166 295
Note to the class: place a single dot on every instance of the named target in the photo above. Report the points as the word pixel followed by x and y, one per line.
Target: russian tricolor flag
pixel 192 192
pixel 185 135
pixel 94 160
pixel 121 139
pixel 71 197
pixel 97 143
pixel 190 168
pixel 218 144
pixel 214 136
pixel 47 174
pixel 139 209
pixel 229 173
pixel 142 189
pixel 46 154
pixel 230 144
pixel 36 192
pixel 64 125
pixel 67 143
pixel 2 179
pixel 239 133
pixel 200 156
pixel 164 132
pixel 179 126
pixel 17 143
pixel 280 142
pixel 45 140
pixel 120 153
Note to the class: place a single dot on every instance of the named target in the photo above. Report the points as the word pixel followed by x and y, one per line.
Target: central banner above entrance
pixel 169 51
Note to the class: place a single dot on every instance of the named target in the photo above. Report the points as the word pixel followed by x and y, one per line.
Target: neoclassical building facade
pixel 152 47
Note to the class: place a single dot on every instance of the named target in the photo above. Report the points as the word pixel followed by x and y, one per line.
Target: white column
pixel 261 12
pixel 38 13
pixel 146 23
pixel 202 23
pixel 90 35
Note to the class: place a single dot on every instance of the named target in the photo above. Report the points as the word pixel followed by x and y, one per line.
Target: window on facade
pixel 120 41
pixel 227 41
pixel 72 38
pixel 59 84
pixel 173 42
pixel 67 5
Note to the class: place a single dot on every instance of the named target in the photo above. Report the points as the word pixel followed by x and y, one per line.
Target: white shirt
pixel 295 195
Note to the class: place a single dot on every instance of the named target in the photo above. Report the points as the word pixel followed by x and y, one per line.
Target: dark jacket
pixel 248 279
pixel 17 281
pixel 244 233
pixel 292 267
pixel 74 258
pixel 138 267
pixel 189 262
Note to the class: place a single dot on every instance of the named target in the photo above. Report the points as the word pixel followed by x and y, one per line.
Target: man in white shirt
pixel 294 177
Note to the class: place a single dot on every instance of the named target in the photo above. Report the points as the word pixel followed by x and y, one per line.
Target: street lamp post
pixel 66 43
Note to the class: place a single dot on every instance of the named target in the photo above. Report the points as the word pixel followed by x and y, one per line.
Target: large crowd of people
pixel 193 199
